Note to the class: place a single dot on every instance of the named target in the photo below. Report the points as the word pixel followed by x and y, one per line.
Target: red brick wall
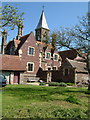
pixel 27 58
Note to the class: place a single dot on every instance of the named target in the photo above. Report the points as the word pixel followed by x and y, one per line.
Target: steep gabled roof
pixel 79 66
pixel 70 54
pixel 22 40
pixel 42 22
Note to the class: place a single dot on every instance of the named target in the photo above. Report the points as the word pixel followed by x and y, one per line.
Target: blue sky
pixel 57 14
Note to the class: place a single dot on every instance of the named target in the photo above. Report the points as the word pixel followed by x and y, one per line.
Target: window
pixel 30 67
pixel 12 49
pixel 66 72
pixel 48 55
pixel 31 51
pixel 55 57
pixel 38 35
pixel 54 68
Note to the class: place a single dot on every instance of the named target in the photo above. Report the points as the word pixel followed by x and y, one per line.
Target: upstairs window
pixel 30 67
pixel 31 51
pixel 55 56
pixel 48 55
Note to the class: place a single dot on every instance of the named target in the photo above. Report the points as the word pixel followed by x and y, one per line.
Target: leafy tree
pixel 76 38
pixel 10 17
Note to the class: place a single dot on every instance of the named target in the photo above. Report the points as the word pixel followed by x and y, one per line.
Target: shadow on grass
pixel 40 93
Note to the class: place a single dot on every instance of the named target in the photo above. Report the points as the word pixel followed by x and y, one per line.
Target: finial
pixel 43 7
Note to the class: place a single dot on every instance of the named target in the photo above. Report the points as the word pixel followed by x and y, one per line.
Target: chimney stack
pixel 20 30
pixel 4 38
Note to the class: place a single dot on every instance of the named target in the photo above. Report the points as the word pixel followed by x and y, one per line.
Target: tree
pixel 10 17
pixel 77 38
pixel 53 39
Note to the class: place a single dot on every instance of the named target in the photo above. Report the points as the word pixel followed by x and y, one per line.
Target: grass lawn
pixel 26 101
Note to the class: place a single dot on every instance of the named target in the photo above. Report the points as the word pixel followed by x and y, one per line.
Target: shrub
pixel 87 92
pixel 70 84
pixel 53 83
pixel 57 84
pixel 42 83
pixel 72 100
pixel 62 84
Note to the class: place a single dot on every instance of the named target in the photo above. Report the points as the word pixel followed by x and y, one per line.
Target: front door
pixel 16 77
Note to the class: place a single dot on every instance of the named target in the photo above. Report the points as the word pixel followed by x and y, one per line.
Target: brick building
pixel 37 58
pixel 28 57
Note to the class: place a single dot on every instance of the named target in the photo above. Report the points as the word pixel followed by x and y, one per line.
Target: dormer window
pixel 48 55
pixel 55 57
pixel 31 51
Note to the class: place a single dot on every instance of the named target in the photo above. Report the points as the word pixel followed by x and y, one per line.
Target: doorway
pixel 16 78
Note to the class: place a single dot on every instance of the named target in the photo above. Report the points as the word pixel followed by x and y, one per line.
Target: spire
pixel 42 22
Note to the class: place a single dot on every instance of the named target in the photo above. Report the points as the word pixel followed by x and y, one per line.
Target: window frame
pixel 46 55
pixel 33 52
pixel 54 67
pixel 27 66
pixel 54 57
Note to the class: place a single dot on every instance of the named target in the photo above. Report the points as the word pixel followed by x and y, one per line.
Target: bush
pixel 63 84
pixel 72 100
pixel 42 83
pixel 87 92
pixel 57 84
pixel 70 84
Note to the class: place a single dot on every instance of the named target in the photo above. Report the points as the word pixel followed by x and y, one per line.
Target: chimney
pixel 4 38
pixel 20 30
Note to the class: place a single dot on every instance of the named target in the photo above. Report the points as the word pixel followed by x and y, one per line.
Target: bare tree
pixel 76 38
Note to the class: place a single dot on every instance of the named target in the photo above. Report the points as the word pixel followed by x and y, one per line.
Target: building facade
pixel 31 59
pixel 38 58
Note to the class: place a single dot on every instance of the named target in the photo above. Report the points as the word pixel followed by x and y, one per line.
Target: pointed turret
pixel 42 28
pixel 42 22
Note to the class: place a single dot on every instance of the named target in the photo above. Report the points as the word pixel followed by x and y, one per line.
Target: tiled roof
pixel 11 63
pixel 70 54
pixel 79 66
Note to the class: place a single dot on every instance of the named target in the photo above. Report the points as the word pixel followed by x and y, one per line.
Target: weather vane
pixel 43 7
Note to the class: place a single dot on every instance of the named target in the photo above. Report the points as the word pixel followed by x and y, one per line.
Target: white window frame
pixel 54 57
pixel 27 66
pixel 46 54
pixel 55 67
pixel 33 53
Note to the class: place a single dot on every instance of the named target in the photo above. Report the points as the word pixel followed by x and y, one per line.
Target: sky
pixel 57 14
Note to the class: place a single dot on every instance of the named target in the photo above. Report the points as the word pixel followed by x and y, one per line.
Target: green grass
pixel 25 101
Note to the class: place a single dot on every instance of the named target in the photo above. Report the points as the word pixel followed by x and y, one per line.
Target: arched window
pixel 38 35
